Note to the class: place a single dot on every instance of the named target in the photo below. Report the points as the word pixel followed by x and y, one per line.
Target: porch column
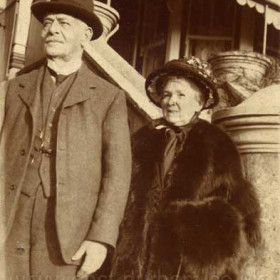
pixel 109 17
pixel 17 57
pixel 254 126
pixel 174 30
pixel 247 29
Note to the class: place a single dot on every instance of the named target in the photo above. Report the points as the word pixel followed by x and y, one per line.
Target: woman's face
pixel 181 99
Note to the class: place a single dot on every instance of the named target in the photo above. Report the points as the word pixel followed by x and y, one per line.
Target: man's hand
pixel 95 256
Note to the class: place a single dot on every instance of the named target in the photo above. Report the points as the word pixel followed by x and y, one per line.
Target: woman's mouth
pixel 172 111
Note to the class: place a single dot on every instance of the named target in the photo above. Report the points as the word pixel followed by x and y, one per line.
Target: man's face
pixel 64 36
pixel 181 99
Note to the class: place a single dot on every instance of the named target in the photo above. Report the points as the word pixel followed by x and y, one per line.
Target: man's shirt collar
pixel 72 67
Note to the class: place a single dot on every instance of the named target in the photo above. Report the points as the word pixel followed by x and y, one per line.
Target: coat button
pixel 60 184
pixel 13 187
pixel 20 251
pixel 23 152
pixel 32 159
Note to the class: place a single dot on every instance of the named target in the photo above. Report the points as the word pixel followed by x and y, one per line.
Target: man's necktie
pixel 60 78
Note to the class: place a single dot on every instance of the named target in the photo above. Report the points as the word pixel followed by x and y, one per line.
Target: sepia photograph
pixel 139 139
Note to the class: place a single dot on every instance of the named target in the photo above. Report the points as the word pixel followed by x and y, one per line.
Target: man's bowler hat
pixel 190 68
pixel 81 9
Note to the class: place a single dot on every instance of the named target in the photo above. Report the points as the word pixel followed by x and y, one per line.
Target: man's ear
pixel 88 33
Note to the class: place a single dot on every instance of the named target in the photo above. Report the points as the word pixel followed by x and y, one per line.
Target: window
pixel 209 27
pixel 273 38
pixel 154 34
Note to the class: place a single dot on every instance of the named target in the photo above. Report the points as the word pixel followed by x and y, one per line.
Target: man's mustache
pixel 53 40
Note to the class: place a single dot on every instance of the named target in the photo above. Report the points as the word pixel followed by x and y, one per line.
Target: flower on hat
pixel 201 67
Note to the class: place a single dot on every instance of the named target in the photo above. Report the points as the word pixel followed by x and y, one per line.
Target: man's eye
pixel 46 23
pixel 65 23
pixel 182 95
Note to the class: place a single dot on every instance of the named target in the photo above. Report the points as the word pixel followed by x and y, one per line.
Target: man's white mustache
pixel 53 41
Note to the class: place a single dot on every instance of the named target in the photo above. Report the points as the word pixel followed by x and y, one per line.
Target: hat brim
pixel 178 68
pixel 41 9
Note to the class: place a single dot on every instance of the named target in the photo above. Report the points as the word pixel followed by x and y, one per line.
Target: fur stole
pixel 209 216
pixel 201 240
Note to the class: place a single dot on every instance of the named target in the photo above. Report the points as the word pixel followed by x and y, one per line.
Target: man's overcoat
pixel 93 159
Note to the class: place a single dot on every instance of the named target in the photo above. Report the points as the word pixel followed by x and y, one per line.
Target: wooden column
pixel 17 57
pixel 247 29
pixel 174 32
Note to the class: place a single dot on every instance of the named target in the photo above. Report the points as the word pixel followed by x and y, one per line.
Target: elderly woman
pixel 191 214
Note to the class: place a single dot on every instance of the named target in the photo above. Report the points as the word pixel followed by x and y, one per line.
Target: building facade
pixel 241 41
pixel 166 30
pixel 142 35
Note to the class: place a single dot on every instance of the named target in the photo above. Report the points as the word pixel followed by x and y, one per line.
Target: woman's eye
pixel 165 94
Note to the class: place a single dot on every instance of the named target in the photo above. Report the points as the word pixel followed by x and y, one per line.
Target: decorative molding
pixel 252 133
pixel 20 36
pixel 241 74
pixel 109 17
pixel 227 66
pixel 17 60
pixel 273 9
pixel 254 125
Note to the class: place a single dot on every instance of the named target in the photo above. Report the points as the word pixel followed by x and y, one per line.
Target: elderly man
pixel 66 150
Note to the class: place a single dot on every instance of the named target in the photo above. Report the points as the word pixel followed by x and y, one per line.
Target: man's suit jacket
pixel 93 158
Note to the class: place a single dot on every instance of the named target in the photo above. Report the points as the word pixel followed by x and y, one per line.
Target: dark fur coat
pixel 202 226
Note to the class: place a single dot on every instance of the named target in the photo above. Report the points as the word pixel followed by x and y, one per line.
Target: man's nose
pixel 54 27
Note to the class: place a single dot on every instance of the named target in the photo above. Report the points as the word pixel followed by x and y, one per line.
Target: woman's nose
pixel 172 100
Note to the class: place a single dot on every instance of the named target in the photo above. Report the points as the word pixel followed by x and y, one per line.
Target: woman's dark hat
pixel 191 68
pixel 81 9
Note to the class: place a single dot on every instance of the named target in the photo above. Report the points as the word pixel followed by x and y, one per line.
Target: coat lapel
pixel 30 95
pixel 79 91
pixel 29 88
